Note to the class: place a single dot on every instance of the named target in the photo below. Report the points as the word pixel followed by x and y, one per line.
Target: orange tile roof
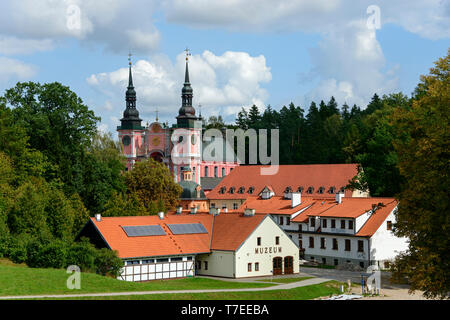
pixel 318 206
pixel 228 232
pixel 169 244
pixel 351 207
pixel 376 220
pixel 294 176
pixel 274 205
pixel 231 230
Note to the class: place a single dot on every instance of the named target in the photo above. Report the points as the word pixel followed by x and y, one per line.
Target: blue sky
pixel 243 52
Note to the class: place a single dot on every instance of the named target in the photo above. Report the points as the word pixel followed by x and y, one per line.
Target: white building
pixel 181 245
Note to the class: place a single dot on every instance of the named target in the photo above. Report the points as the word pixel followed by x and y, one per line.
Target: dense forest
pixel 56 170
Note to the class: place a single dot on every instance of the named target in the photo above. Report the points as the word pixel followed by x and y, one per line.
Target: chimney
pixel 249 212
pixel 193 210
pixel 98 217
pixel 296 199
pixel 179 209
pixel 339 197
pixel 161 215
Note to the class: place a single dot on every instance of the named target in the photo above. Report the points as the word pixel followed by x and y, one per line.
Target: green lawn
pixel 21 280
pixel 286 280
pixel 301 293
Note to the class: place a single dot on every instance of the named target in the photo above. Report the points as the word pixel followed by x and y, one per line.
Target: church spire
pixel 130 118
pixel 186 111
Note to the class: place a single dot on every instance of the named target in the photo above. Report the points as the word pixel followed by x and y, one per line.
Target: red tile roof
pixel 376 220
pixel 228 232
pixel 351 207
pixel 294 176
pixel 318 206
pixel 274 205
pixel 231 230
pixel 169 244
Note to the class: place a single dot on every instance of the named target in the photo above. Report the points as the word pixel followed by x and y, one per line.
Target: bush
pixel 82 254
pixel 17 249
pixel 51 254
pixel 108 263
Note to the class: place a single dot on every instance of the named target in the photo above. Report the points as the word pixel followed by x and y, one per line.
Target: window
pixel 350 224
pixel 312 222
pixel 281 221
pixel 206 265
pixel 249 267
pixel 335 244
pixel 132 262
pixel 148 261
pixel 288 190
pixel 336 262
pixel 189 258
pixel 310 190
pixel 361 264
pixel 347 245
pixel 250 190
pixel 235 206
pixel 223 172
pixel 256 266
pixel 389 225
pixel 322 243
pixel 321 190
pixel 288 221
pixel 213 205
pixel 333 224
pixel 222 190
pixel 300 189
pixel 342 224
pixel 199 265
pixel 324 261
pixel 162 260
pixel 232 190
pixel 176 259
pixel 216 172
pixel 311 242
pixel 241 190
pixel 258 241
pixel 324 223
pixel 360 246
pixel 332 190
pixel 277 240
pixel 206 171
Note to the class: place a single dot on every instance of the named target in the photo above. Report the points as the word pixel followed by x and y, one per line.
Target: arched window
pixel 250 190
pixel 216 172
pixel 310 190
pixel 206 171
pixel 232 190
pixel 300 189
pixel 321 190
pixel 332 190
pixel 223 172
pixel 241 190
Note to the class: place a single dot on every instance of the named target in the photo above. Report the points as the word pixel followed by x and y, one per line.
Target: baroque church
pixel 156 140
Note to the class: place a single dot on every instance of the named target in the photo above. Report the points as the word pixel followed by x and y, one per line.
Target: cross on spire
pixel 188 53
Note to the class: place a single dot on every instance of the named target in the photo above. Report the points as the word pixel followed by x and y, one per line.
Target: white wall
pixel 220 263
pixel 340 253
pixel 267 231
pixel 385 245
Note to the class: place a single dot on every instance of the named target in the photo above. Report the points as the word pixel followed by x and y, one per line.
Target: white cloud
pixel 119 26
pixel 222 84
pixel 12 69
pixel 13 45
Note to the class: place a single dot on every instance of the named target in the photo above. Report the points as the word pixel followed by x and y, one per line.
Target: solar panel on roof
pixel 187 228
pixel 142 231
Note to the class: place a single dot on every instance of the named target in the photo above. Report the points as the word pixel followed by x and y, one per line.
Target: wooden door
pixel 277 265
pixel 288 265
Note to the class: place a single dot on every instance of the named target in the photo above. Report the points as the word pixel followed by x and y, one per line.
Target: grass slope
pixel 21 280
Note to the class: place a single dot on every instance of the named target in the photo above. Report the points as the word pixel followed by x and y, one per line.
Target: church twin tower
pixel 157 139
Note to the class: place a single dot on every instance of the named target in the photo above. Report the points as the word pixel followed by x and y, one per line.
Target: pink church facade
pixel 178 147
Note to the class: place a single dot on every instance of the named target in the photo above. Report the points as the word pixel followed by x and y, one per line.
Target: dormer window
pixel 250 190
pixel 332 190
pixel 288 190
pixel 321 190
pixel 241 190
pixel 300 189
pixel 342 190
pixel 232 190
pixel 222 190
pixel 310 190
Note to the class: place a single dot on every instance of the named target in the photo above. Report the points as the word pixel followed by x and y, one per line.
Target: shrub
pixel 46 254
pixel 82 254
pixel 108 263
